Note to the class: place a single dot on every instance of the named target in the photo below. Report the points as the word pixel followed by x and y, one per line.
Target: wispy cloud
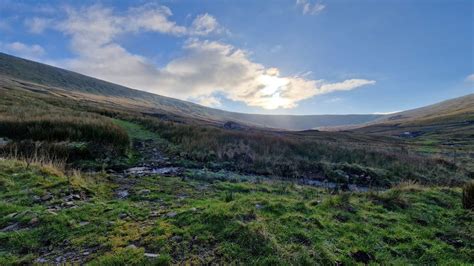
pixel 470 78
pixel 309 8
pixel 204 69
pixel 38 25
pixel 206 24
pixel 24 50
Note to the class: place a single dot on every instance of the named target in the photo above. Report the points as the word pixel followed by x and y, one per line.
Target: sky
pixel 272 57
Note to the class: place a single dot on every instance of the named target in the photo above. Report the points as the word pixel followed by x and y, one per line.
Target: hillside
pixel 98 174
pixel 53 78
pixel 451 120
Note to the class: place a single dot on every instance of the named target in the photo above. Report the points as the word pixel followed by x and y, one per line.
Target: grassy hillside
pixel 338 157
pixel 79 128
pixel 49 217
pixel 22 70
pixel 442 129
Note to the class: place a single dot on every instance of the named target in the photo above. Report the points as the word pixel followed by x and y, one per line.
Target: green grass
pixel 136 131
pixel 191 221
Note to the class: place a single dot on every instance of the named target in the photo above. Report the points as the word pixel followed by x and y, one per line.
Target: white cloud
pixel 210 101
pixel 205 24
pixel 23 50
pixel 38 25
pixel 470 78
pixel 204 68
pixel 309 8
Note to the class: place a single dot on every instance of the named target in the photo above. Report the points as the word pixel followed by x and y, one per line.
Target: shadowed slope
pixel 22 70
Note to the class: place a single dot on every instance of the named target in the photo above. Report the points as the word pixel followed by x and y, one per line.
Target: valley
pixel 96 173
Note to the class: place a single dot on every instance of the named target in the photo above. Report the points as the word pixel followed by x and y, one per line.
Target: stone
pixel 51 211
pixel 68 203
pixel 121 194
pixel 83 223
pixel 137 170
pixel 132 246
pixel 123 215
pixel 36 199
pixel 144 192
pixel 41 260
pixel 177 238
pixel 171 214
pixel 151 255
pixel 168 171
pixel 47 197
pixel 12 227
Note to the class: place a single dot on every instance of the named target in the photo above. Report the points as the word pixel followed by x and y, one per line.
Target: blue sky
pixel 276 57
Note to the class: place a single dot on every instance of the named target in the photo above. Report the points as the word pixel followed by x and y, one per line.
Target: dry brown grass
pixel 468 195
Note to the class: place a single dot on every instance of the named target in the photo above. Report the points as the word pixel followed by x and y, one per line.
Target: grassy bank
pixel 169 220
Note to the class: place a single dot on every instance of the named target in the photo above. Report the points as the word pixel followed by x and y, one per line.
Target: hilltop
pixel 15 69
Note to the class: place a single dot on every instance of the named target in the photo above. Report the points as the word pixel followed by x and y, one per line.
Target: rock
pixel 154 214
pixel 47 197
pixel 193 209
pixel 68 204
pixel 59 259
pixel 258 206
pixel 83 223
pixel 36 199
pixel 144 192
pixel 168 171
pixel 137 170
pixel 132 246
pixel 72 197
pixel 362 256
pixel 51 211
pixel 12 227
pixel 86 253
pixel 123 215
pixel 121 194
pixel 177 238
pixel 171 214
pixel 151 255
pixel 41 260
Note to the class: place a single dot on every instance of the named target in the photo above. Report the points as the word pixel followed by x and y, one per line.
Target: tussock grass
pixel 286 155
pixel 56 127
pixel 468 196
